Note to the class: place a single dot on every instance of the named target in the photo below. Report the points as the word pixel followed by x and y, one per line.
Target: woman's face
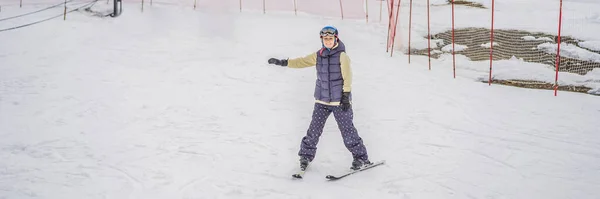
pixel 329 41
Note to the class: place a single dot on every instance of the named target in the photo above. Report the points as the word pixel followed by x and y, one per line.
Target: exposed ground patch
pixel 466 3
pixel 541 85
pixel 509 43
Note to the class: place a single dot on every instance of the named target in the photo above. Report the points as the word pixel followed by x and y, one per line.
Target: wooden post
pixel 367 8
pixel 341 9
pixel 264 7
pixel 65 13
pixel 380 9
pixel 195 4
pixel 21 4
pixel 142 5
pixel 295 8
pixel 240 5
pixel 428 34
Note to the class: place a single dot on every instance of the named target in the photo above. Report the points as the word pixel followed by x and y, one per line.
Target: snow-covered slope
pixel 176 103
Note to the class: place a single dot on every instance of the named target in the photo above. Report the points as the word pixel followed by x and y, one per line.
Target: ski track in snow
pixel 175 103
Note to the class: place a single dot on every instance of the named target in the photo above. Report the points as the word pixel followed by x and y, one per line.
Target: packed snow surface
pixel 177 103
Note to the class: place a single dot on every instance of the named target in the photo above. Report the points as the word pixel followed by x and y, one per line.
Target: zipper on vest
pixel 329 77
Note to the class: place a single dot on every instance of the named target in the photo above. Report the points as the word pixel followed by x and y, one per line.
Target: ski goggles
pixel 328 32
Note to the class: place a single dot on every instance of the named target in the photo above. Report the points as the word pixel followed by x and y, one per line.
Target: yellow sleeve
pixel 346 72
pixel 303 62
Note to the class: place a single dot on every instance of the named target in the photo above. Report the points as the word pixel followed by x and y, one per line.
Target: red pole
pixel 453 52
pixel 491 45
pixel 428 36
pixel 390 6
pixel 389 25
pixel 395 27
pixel 558 49
pixel 341 9
pixel 409 29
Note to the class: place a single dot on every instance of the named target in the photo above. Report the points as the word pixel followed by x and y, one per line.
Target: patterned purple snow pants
pixel 352 140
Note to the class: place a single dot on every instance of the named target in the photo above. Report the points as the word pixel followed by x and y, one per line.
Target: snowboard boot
pixel 304 162
pixel 360 163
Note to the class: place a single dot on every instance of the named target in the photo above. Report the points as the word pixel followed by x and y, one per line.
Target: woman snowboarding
pixel 332 95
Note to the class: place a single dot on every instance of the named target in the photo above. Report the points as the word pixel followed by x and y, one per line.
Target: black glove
pixel 282 62
pixel 345 102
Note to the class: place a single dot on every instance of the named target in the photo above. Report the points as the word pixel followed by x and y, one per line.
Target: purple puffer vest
pixel 329 84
